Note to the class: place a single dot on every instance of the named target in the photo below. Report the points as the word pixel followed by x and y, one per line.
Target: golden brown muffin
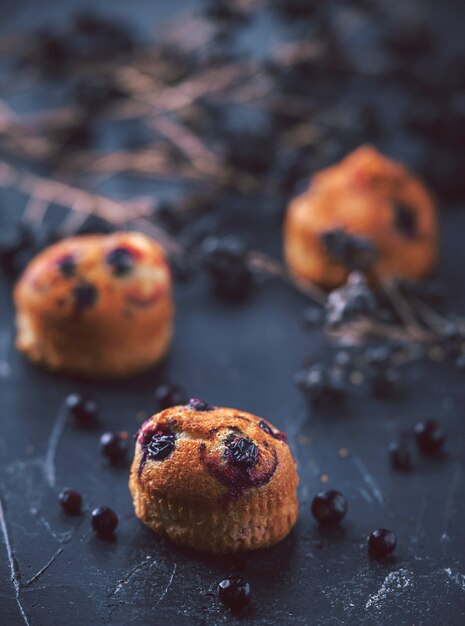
pixel 96 305
pixel 214 479
pixel 364 213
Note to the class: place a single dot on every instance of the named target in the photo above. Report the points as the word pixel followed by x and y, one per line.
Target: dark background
pixel 242 355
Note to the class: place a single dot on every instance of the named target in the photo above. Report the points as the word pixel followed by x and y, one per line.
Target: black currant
pixel 168 395
pixel 83 410
pixel 104 521
pixel 381 543
pixel 429 436
pixel 329 507
pixel 400 456
pixel 71 501
pixel 234 592
pixel 114 446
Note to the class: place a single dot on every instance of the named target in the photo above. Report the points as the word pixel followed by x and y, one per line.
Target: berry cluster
pixel 354 252
pixel 225 261
pixel 321 384
pixel 350 302
pixel 429 437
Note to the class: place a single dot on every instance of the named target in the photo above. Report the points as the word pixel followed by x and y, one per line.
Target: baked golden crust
pixel 369 196
pixel 218 480
pixel 96 306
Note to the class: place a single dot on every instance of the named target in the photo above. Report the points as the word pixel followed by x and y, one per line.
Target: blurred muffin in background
pixel 98 306
pixel 365 213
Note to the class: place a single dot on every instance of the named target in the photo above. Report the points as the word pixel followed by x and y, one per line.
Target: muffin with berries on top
pixel 98 306
pixel 214 479
pixel 366 213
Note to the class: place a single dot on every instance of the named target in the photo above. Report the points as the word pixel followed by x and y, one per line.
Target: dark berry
pixel 121 261
pixel 429 436
pixel 329 507
pixel 114 446
pixel 381 543
pixel 234 593
pixel 85 296
pixel 67 265
pixel 264 426
pixel 242 452
pixel 104 521
pixel 276 435
pixel 354 252
pixel 83 410
pixel 71 501
pixel 199 405
pixel 405 220
pixel 400 456
pixel 169 395
pixel 351 301
pixel 160 446
pixel 225 260
pixel 320 383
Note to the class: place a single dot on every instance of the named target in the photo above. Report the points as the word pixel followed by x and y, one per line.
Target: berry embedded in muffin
pixel 214 479
pixel 96 305
pixel 366 213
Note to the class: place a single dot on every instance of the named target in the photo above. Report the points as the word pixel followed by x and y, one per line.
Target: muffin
pixel 214 479
pixel 365 213
pixel 97 306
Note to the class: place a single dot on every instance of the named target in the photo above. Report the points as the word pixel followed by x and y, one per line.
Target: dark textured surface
pixel 54 571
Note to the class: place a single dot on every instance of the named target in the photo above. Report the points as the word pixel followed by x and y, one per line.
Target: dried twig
pixel 48 190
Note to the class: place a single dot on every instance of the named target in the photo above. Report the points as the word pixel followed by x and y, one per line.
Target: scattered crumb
pixel 324 478
pixel 303 440
pixel 392 586
pixel 343 453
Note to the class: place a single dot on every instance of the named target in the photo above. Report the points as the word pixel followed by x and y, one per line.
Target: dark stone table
pixel 54 571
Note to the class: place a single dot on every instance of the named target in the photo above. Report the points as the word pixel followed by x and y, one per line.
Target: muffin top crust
pixel 210 452
pixel 96 274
